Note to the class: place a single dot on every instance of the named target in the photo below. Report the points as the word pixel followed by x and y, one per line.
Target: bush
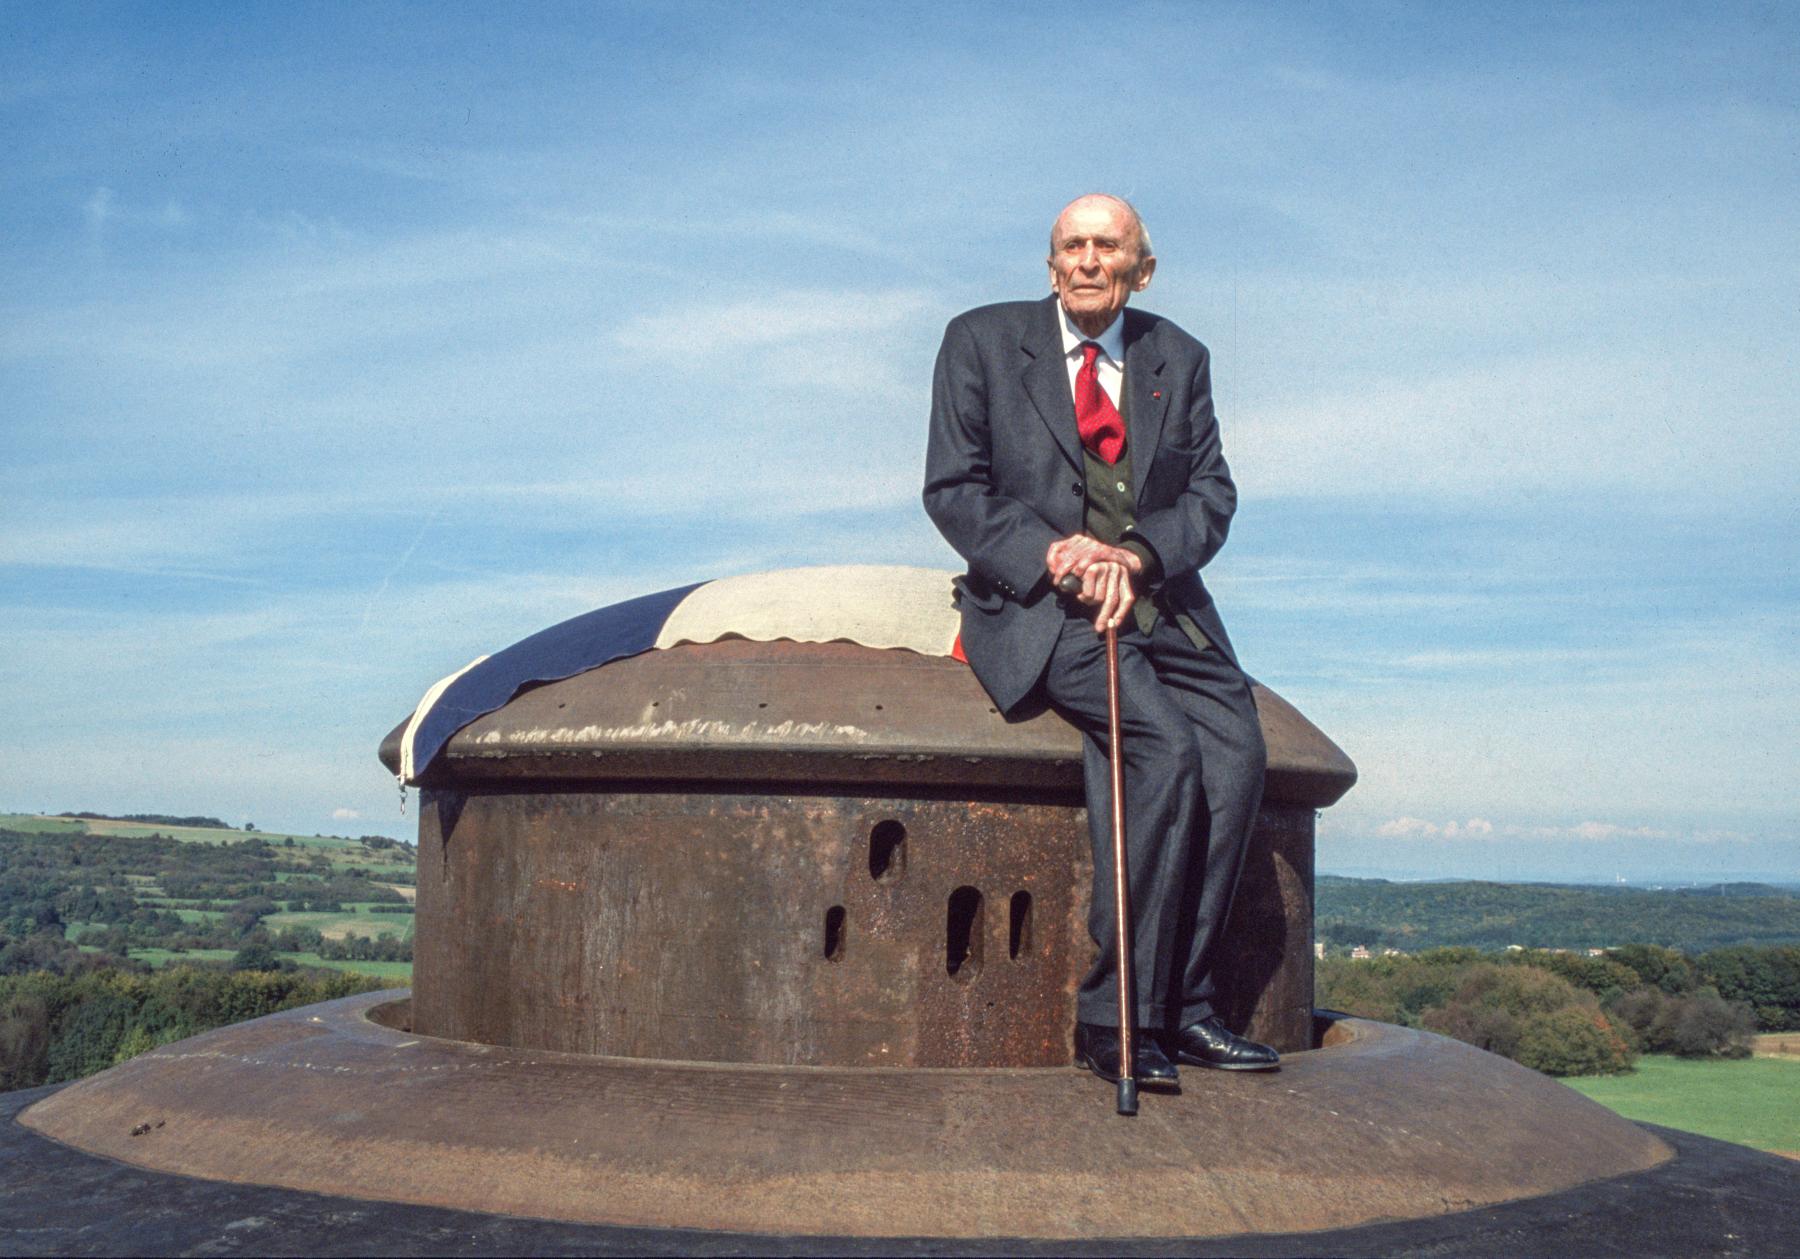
pixel 1575 1040
pixel 24 1042
pixel 1696 1025
pixel 1708 1026
pixel 55 1028
pixel 1355 988
pixel 1485 1027
pixel 1521 991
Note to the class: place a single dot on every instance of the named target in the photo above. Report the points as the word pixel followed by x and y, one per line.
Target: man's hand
pixel 1105 572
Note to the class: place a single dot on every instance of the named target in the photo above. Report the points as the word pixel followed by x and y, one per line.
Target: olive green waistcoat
pixel 1111 499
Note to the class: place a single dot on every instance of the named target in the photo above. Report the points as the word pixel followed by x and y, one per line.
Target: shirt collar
pixel 1112 341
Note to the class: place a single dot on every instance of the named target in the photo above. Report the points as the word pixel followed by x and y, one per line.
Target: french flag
pixel 880 606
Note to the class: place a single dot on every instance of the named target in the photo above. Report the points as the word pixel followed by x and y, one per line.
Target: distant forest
pixel 154 819
pixel 1377 914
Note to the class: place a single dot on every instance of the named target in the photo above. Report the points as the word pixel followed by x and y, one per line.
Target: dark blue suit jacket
pixel 1004 477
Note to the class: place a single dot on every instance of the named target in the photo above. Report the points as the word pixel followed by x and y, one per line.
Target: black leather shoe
pixel 1209 1043
pixel 1097 1049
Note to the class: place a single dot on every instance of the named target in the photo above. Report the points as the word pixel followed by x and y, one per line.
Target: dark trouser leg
pixel 1193 778
pixel 1216 697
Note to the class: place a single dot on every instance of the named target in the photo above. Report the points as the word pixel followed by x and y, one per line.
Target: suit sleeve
pixel 1001 537
pixel 1189 532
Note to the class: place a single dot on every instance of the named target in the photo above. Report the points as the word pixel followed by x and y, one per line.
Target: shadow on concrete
pixel 1713 1198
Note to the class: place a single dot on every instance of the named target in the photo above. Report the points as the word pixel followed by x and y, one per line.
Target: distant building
pixel 1515 948
pixel 1392 953
pixel 1360 953
pixel 1319 949
pixel 1596 952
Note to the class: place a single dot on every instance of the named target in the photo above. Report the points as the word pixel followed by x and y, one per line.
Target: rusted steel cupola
pixel 795 831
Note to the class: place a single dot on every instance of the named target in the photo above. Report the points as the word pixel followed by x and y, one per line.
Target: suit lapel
pixel 1146 400
pixel 1046 382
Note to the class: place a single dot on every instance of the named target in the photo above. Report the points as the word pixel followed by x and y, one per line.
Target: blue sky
pixel 342 343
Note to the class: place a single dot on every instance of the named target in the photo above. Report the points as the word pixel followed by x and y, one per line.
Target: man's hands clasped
pixel 1105 573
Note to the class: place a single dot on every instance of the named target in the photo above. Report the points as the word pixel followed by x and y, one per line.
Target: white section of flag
pixel 876 605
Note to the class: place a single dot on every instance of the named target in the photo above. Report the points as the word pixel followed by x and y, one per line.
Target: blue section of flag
pixel 574 646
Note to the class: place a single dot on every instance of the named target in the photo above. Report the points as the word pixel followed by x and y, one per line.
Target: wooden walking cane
pixel 1128 1101
pixel 1128 1090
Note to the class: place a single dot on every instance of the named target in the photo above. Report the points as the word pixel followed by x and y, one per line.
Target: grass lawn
pixel 337 926
pixel 1753 1101
pixel 32 824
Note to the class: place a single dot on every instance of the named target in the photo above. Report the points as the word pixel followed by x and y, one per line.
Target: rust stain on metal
pixel 802 853
pixel 756 928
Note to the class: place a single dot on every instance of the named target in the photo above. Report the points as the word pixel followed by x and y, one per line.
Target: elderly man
pixel 1073 436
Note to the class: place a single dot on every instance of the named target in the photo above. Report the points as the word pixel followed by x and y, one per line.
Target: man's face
pixel 1094 263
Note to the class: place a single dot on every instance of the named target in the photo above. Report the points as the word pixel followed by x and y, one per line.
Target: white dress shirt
pixel 1109 365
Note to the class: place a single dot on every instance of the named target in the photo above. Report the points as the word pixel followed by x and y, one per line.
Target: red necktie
pixel 1102 431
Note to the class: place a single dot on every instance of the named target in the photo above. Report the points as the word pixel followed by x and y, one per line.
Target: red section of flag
pixel 956 652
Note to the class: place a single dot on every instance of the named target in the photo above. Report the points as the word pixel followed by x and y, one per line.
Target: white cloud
pixel 1407 827
pixel 1418 828
pixel 344 815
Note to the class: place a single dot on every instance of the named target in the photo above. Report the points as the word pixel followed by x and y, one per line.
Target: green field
pixel 341 850
pixel 401 972
pixel 1752 1101
pixel 350 922
pixel 33 823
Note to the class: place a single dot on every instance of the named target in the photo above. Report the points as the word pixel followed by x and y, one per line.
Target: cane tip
pixel 1128 1097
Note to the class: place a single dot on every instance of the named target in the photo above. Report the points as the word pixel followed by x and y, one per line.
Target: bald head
pixel 1099 256
pixel 1105 202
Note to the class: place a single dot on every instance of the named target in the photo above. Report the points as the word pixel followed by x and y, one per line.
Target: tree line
pixel 1380 914
pixel 61 1027
pixel 153 819
pixel 1569 1014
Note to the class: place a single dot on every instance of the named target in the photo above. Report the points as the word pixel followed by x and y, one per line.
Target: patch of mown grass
pixel 1752 1101
pixel 32 824
pixel 337 926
